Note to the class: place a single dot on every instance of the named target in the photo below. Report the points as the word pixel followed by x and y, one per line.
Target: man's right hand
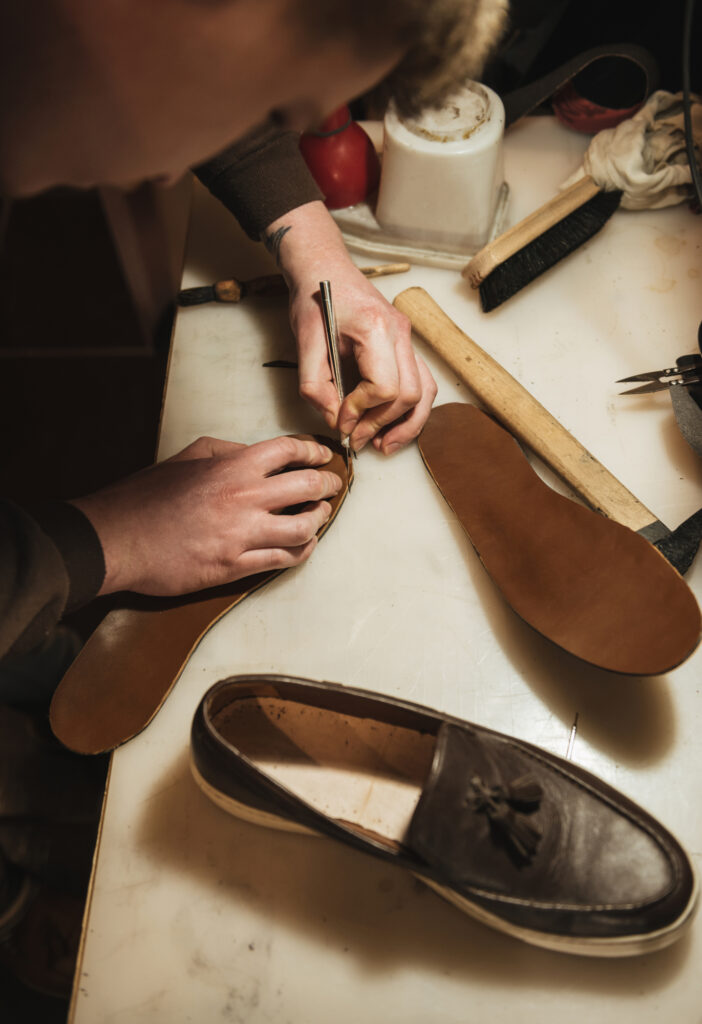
pixel 208 515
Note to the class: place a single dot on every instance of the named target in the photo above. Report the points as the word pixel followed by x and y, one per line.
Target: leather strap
pixel 592 586
pixel 129 665
pixel 528 97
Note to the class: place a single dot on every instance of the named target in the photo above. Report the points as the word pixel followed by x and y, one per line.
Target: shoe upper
pixel 528 837
pixel 548 844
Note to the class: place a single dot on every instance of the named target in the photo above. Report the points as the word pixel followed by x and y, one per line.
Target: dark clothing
pixel 50 562
pixel 260 178
pixel 50 556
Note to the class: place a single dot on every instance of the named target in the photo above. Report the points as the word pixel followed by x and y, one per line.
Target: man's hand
pixel 208 515
pixel 392 401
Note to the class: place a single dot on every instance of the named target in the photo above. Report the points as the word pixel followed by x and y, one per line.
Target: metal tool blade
pixel 653 375
pixel 646 389
pixel 681 544
pixel 687 371
pixel 331 331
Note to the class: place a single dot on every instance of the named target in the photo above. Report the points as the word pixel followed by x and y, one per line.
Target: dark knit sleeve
pixel 260 177
pixel 50 562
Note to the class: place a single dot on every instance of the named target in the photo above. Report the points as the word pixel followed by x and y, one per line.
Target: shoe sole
pixel 630 945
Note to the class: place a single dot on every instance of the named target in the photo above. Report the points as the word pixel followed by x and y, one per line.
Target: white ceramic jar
pixel 442 172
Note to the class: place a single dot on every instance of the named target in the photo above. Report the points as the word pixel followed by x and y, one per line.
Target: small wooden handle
pixel 517 237
pixel 274 284
pixel 385 268
pixel 269 285
pixel 228 291
pixel 519 411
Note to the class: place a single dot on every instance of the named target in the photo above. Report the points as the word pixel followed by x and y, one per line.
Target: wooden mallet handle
pixel 524 417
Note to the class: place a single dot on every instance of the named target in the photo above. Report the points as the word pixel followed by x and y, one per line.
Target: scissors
pixel 687 371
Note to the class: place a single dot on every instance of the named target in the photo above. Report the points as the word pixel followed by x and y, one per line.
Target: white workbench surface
pixel 195 916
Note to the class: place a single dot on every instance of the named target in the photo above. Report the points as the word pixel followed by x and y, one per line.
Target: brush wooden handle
pixel 548 215
pixel 519 411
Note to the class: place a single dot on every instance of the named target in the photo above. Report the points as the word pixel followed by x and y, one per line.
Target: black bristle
pixel 196 296
pixel 546 250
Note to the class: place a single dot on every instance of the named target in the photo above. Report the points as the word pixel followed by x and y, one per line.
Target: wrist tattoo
pixel 273 240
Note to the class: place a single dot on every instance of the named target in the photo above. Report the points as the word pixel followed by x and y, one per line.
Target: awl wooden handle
pixel 270 285
pixel 275 284
pixel 519 411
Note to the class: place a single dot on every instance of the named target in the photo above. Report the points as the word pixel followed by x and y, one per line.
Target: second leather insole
pixel 592 586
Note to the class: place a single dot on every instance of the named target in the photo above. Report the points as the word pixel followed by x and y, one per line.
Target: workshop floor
pixel 75 411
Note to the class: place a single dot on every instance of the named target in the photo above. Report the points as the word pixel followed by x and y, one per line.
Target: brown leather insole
pixel 366 773
pixel 592 586
pixel 128 666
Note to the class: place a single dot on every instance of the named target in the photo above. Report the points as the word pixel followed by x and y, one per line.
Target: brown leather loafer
pixel 522 840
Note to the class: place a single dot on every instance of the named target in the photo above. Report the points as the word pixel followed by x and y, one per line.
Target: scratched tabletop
pixel 196 916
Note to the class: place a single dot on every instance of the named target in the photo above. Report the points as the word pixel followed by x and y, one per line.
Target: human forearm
pixel 392 401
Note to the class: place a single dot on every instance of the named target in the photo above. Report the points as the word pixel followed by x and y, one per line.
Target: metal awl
pixel 332 332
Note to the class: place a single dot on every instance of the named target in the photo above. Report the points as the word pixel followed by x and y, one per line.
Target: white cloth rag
pixel 645 156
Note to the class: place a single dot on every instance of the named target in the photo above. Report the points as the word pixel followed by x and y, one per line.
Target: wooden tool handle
pixel 268 285
pixel 385 268
pixel 233 290
pixel 517 237
pixel 274 284
pixel 519 411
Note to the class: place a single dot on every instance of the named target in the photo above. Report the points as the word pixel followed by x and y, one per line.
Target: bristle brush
pixel 547 235
pixel 636 165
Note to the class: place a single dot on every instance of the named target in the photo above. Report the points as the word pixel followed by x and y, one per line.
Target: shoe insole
pixel 592 586
pixel 359 771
